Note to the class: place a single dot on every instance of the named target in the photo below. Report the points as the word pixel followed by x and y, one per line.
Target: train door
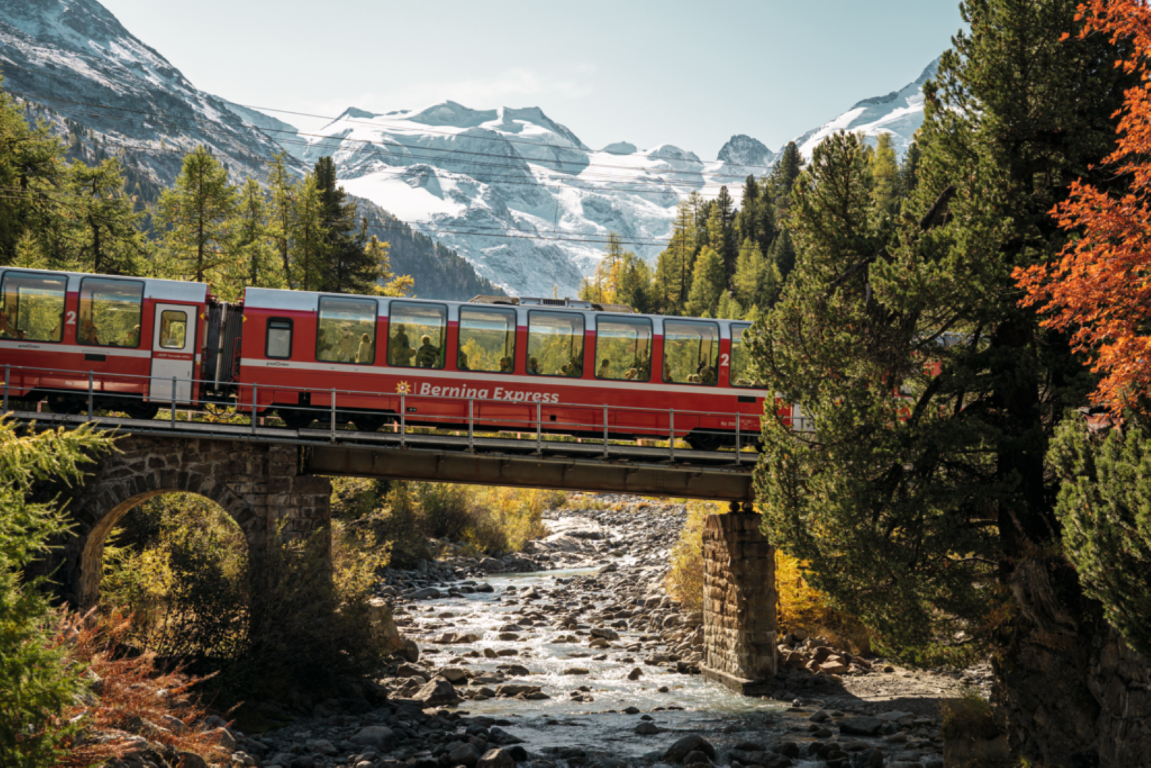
pixel 173 351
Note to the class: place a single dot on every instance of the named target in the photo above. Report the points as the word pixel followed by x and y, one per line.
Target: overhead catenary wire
pixel 13 193
pixel 376 123
pixel 161 115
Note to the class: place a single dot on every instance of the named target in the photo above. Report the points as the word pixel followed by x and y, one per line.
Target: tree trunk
pixel 1072 693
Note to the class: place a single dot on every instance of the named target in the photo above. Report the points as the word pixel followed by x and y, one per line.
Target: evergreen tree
pixel 674 265
pixel 255 262
pixel 721 229
pixel 708 283
pixel 633 288
pixel 282 190
pixel 308 243
pixel 782 177
pixel 106 236
pixel 349 269
pixel 909 170
pixel 33 172
pixel 908 509
pixel 885 174
pixel 782 256
pixel 729 307
pixel 195 219
pixel 756 280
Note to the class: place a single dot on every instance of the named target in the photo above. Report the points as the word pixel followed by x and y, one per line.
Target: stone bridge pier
pixel 259 485
pixel 739 603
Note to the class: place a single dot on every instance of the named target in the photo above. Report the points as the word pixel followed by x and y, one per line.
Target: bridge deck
pixel 564 465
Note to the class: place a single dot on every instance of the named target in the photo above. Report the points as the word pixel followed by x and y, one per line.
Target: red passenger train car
pixel 492 363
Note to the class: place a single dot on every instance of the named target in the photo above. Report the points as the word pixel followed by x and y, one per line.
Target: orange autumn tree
pixel 1100 289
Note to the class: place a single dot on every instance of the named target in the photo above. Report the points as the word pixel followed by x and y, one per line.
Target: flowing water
pixel 677 704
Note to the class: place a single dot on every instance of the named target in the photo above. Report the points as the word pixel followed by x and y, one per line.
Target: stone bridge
pixel 258 484
pixel 266 490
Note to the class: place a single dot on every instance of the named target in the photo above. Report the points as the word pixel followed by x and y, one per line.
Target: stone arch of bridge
pixel 258 486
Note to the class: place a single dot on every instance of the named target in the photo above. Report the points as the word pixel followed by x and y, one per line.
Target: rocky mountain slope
pixel 82 73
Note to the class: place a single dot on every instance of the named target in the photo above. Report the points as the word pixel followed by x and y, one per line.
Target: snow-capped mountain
pixel 899 113
pixel 517 193
pixel 76 59
pixel 514 192
pixel 528 203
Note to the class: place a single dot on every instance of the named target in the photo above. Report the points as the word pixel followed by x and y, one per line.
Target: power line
pixel 340 140
pixel 14 193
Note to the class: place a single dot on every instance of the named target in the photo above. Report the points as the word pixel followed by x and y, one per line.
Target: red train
pixel 134 345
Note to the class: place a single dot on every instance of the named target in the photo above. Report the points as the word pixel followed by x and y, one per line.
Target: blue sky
pixel 685 73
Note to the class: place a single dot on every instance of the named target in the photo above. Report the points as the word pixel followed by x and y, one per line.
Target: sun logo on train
pixel 404 388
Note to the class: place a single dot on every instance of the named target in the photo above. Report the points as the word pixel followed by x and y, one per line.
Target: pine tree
pixel 909 508
pixel 885 174
pixel 349 269
pixel 708 283
pixel 721 229
pixel 195 217
pixel 782 177
pixel 909 170
pixel 782 256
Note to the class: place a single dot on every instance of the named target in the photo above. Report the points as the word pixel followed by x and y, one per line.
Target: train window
pixel 739 374
pixel 278 344
pixel 32 306
pixel 555 344
pixel 487 340
pixel 110 312
pixel 346 332
pixel 623 348
pixel 173 329
pixel 690 349
pixel 426 325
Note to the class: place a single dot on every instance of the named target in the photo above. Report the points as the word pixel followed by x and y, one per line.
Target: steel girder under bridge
pixel 591 466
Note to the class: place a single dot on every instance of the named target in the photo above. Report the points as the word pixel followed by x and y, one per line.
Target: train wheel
pixel 369 422
pixel 138 409
pixel 705 441
pixel 295 419
pixel 62 403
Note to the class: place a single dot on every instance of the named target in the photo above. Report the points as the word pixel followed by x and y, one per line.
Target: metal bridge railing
pixel 98 396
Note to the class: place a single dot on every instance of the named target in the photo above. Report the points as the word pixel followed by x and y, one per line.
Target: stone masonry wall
pixel 258 485
pixel 739 601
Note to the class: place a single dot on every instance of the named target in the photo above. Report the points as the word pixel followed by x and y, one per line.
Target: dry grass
pixel 131 697
pixel 969 716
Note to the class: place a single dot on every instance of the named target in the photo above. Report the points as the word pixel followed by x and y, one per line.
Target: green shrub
pixel 1104 505
pixel 36 679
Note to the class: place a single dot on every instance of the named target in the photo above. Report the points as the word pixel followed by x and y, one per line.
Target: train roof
pixel 305 301
pixel 154 288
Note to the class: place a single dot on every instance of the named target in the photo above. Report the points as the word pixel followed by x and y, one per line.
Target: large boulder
pixel 693 743
pixel 861 726
pixel 373 736
pixel 385 633
pixel 465 754
pixel 496 758
pixel 438 693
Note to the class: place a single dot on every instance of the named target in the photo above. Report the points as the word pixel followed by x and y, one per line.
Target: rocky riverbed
pixel 571 654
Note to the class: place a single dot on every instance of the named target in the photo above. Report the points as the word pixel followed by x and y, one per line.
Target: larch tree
pixel 195 218
pixel 283 189
pixel 708 283
pixel 255 260
pixel 921 498
pixel 106 236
